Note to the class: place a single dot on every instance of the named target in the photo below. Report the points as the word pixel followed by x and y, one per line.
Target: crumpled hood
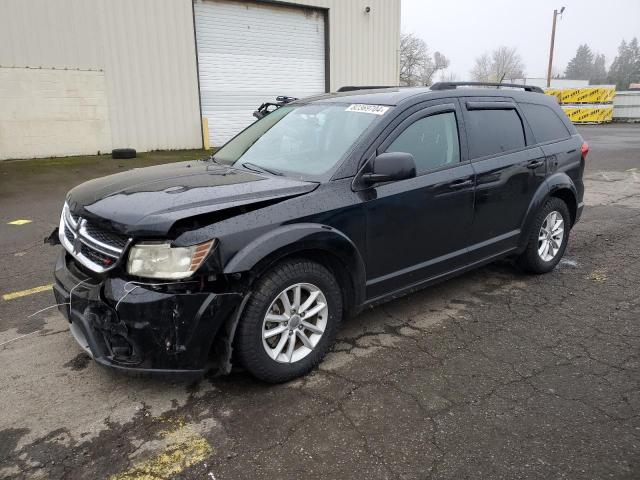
pixel 150 200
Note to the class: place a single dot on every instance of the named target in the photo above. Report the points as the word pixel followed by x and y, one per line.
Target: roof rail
pixel 454 85
pixel 351 88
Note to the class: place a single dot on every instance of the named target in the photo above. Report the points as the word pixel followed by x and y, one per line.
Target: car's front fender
pixel 298 238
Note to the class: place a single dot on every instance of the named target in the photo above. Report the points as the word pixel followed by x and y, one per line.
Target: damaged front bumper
pixel 144 328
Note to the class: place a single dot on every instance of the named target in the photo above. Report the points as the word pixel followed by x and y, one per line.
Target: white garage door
pixel 249 53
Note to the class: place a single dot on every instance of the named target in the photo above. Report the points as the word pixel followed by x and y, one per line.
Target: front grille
pixel 105 261
pixel 110 238
pixel 91 246
pixel 69 234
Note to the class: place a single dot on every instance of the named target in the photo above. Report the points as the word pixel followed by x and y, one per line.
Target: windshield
pixel 306 140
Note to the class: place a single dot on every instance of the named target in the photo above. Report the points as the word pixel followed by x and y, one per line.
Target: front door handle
pixel 535 164
pixel 461 184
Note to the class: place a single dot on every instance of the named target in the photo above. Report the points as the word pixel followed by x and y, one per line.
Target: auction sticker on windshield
pixel 364 108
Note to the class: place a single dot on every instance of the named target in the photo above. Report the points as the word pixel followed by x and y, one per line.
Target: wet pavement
pixel 494 374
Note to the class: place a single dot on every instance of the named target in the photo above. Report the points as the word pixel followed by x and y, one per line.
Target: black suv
pixel 322 207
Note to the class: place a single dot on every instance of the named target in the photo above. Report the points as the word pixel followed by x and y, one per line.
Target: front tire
pixel 547 238
pixel 290 321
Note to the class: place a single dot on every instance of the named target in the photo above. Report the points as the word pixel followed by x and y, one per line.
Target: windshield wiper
pixel 258 168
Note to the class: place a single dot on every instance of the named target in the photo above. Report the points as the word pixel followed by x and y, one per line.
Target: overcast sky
pixel 464 29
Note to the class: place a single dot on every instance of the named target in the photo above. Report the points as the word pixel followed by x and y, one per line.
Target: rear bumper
pixel 141 329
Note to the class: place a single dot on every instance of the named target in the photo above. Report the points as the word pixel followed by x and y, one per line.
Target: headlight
pixel 160 260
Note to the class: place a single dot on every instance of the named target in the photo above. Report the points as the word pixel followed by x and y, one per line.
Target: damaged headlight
pixel 161 260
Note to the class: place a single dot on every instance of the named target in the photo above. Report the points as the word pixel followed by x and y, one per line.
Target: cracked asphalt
pixel 494 374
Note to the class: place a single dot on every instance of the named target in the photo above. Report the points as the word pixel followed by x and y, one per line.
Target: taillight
pixel 584 150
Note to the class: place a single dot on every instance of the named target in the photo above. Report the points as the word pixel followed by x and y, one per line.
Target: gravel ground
pixel 494 374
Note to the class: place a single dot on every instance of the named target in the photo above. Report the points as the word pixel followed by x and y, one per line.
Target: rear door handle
pixel 461 184
pixel 535 164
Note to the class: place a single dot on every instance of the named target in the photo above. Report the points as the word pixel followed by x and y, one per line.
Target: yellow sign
pixel 583 95
pixel 589 113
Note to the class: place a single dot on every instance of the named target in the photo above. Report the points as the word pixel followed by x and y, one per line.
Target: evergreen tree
pixel 599 71
pixel 625 68
pixel 580 67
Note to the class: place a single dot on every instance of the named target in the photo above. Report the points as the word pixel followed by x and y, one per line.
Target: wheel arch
pixel 569 198
pixel 559 186
pixel 321 243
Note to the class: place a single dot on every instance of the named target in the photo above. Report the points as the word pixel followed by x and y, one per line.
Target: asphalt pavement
pixel 494 374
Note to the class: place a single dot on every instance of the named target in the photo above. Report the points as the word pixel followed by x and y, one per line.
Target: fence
pixel 626 106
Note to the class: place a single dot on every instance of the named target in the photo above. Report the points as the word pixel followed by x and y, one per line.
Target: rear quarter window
pixel 545 123
pixel 492 132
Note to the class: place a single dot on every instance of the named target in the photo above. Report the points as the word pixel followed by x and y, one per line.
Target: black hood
pixel 148 201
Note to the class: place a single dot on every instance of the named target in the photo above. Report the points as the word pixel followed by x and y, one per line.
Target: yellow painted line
pixel 24 293
pixel 185 448
pixel 19 222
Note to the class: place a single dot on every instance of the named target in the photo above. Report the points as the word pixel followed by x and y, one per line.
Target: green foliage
pixel 599 71
pixel 625 68
pixel 580 67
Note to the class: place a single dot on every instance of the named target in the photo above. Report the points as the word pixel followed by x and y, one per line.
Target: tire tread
pixel 529 260
pixel 271 283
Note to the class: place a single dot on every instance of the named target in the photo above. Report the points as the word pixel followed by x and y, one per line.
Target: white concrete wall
pixel 47 112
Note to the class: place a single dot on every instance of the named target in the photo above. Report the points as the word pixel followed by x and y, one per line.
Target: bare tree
pixel 413 54
pixel 507 63
pixel 448 77
pixel 417 65
pixel 503 63
pixel 481 71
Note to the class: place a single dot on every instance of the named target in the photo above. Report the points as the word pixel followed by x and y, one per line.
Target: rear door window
pixel 544 122
pixel 492 132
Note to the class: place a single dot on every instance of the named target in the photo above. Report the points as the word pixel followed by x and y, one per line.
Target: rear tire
pixel 547 238
pixel 276 342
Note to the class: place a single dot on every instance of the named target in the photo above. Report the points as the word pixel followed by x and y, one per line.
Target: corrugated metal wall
pixel 147 52
pixel 365 47
pixel 145 48
pixel 151 70
pixel 626 106
pixel 251 52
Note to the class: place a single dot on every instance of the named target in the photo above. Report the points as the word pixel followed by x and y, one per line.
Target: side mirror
pixel 390 166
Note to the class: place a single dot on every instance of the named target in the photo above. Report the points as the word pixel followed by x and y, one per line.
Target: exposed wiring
pixel 127 290
pixel 47 308
pixel 136 284
pixel 61 304
pixel 18 338
pixel 43 310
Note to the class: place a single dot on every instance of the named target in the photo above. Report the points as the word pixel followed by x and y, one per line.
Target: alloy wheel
pixel 294 323
pixel 550 236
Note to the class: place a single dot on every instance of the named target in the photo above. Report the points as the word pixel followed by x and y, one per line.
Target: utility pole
pixel 553 39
